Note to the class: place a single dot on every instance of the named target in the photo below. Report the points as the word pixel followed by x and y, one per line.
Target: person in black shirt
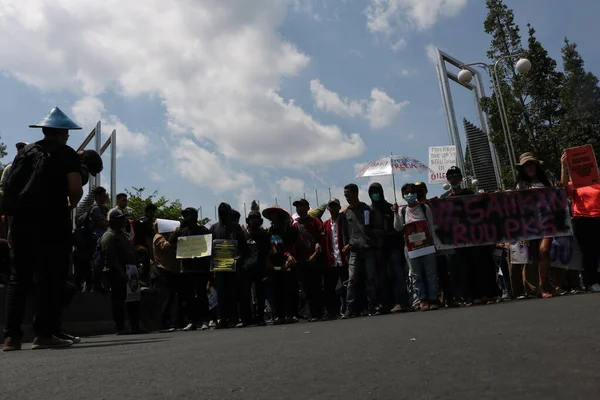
pixel 41 257
pixel 143 236
pixel 196 273
pixel 226 282
pixel 253 272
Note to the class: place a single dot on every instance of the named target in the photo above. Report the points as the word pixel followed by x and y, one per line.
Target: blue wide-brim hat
pixel 56 119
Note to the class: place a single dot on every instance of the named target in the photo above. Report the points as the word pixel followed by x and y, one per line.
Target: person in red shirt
pixel 586 225
pixel 336 268
pixel 310 258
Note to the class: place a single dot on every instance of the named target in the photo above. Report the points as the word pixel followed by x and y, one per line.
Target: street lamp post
pixel 523 66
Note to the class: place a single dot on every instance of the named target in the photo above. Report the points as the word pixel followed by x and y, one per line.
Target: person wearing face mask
pixel 253 272
pixel 423 268
pixel 45 180
pixel 391 283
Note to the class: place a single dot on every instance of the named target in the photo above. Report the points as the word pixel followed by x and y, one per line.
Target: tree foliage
pixel 3 153
pixel 547 110
pixel 138 200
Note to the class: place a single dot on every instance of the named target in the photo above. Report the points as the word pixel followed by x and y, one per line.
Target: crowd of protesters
pixel 354 264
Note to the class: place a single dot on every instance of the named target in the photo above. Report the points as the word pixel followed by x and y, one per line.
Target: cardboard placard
pixel 583 166
pixel 194 246
pixel 418 239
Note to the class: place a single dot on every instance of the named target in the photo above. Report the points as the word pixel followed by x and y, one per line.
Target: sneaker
pixel 314 319
pixel 11 344
pixel 190 327
pixel 204 327
pixel 397 308
pixel 212 324
pixel 52 342
pixel 348 315
pixel 595 288
pixel 65 336
pixel 433 306
pixel 241 325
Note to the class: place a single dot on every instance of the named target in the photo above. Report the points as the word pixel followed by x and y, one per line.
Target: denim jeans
pixel 362 274
pixel 423 272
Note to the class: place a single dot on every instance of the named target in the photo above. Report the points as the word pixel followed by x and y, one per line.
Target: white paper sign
pixel 167 225
pixel 441 158
pixel 134 290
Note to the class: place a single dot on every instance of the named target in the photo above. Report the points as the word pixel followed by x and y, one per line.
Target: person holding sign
pixel 531 175
pixel 196 273
pixel 283 239
pixel 116 255
pixel 228 238
pixel 416 221
pixel 586 225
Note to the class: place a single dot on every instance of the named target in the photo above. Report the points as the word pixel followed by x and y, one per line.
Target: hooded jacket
pixel 227 229
pixel 384 220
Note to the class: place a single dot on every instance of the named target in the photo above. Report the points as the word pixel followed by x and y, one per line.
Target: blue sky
pixel 234 100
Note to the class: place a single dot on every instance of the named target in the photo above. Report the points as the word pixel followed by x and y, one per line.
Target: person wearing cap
pixel 531 175
pixel 336 269
pixel 253 272
pixel 196 273
pixel 455 178
pixel 115 252
pixel 20 146
pixel 284 240
pixel 586 225
pixel 40 259
pixel 309 258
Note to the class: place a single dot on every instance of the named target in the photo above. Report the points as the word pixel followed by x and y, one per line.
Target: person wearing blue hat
pixel 44 184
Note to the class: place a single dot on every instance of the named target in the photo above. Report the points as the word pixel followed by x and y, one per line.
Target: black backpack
pixel 27 183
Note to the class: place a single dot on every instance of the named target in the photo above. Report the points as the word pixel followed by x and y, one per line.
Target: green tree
pixel 580 99
pixel 254 206
pixel 138 200
pixel 3 153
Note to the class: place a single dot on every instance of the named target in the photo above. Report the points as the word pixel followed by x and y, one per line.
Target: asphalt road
pixel 535 349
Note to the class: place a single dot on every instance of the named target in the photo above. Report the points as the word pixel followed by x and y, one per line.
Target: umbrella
pixel 389 166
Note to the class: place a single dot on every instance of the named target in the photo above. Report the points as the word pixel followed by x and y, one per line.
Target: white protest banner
pixel 441 158
pixel 134 290
pixel 167 225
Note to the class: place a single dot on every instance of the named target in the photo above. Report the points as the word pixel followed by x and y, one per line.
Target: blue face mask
pixel 375 197
pixel 410 197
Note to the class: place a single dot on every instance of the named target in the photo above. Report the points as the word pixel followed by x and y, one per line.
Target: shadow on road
pixel 113 343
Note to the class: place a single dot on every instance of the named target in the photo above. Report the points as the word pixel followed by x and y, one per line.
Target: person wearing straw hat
pixel 44 182
pixel 531 175
pixel 281 262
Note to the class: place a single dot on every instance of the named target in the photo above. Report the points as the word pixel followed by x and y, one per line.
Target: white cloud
pixel 357 53
pixel 291 186
pixel 207 169
pixel 399 45
pixel 389 17
pixel 431 52
pixel 217 65
pixel 89 110
pixel 380 110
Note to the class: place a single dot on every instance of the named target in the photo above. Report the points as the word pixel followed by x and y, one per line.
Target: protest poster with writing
pixel 224 255
pixel 134 290
pixel 167 225
pixel 504 217
pixel 194 246
pixel 418 239
pixel 583 166
pixel 441 158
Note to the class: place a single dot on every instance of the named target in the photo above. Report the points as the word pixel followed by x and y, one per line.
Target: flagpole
pixel 393 178
pixel 317 197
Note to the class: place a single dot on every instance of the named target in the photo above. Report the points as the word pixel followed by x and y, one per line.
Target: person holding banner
pixel 531 175
pixel 196 273
pixel 415 220
pixel 586 225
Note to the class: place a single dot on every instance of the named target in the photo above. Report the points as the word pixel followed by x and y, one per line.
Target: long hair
pixel 523 178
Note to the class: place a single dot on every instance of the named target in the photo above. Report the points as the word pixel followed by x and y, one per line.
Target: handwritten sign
pixel 194 246
pixel 224 255
pixel 418 239
pixel 134 290
pixel 583 166
pixel 441 158
pixel 167 225
pixel 501 217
